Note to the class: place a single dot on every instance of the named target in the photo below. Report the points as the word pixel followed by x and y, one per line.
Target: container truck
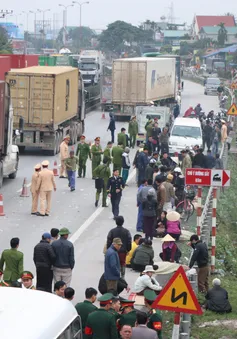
pixel 90 65
pixel 106 88
pixel 140 81
pixel 51 102
pixel 9 153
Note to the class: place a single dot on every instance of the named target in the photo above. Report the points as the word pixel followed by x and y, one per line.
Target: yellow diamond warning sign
pixel 232 110
pixel 178 295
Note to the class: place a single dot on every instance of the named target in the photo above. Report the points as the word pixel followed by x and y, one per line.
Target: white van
pixel 185 132
pixel 29 314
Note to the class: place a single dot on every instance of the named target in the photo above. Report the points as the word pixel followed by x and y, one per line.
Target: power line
pixel 4 13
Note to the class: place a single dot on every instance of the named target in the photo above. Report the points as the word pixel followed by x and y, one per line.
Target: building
pixel 211 32
pixel 173 37
pixel 200 21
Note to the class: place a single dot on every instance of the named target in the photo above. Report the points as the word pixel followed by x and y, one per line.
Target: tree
pixel 5 43
pixel 79 37
pixel 222 35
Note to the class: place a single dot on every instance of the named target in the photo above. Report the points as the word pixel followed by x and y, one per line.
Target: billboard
pixel 14 31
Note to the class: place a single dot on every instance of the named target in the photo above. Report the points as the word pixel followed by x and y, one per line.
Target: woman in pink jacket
pixel 173 225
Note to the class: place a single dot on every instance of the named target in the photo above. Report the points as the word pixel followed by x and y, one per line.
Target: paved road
pixel 89 226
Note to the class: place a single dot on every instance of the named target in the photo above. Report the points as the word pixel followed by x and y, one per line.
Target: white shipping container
pixel 141 80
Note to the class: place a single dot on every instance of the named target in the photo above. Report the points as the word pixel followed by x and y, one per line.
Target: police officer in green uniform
pixel 129 314
pixel 2 282
pixel 83 152
pixel 108 152
pixel 115 308
pixel 122 139
pixel 117 152
pixel 154 315
pixel 96 152
pixel 27 280
pixel 86 307
pixel 101 324
pixel 133 131
pixel 101 172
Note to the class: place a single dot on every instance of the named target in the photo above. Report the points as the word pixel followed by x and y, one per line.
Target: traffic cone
pixel 1 206
pixel 55 169
pixel 103 115
pixel 24 192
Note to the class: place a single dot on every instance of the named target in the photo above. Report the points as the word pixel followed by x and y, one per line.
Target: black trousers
pixel 44 279
pixel 115 201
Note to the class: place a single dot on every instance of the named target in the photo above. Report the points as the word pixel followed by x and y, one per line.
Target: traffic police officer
pixel 35 194
pixel 115 186
pixel 129 314
pixel 64 155
pixel 2 282
pixel 101 323
pixel 27 280
pixel 96 152
pixel 101 172
pixel 154 315
pixel 83 151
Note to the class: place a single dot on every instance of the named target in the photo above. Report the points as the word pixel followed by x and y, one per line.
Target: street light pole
pixel 35 13
pixel 80 5
pixel 43 11
pixel 65 21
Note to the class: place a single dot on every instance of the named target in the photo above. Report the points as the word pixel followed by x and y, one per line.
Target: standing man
pixel 164 141
pixel 115 186
pixel 87 306
pixel 129 314
pixel 216 140
pixel 12 260
pixel 96 152
pixel 108 152
pixel 112 266
pixel 176 110
pixel 141 330
pixel 207 135
pixel 142 163
pixel 125 236
pixel 121 139
pixel 44 258
pixel 64 155
pixel 65 261
pixel 111 126
pixel 83 152
pixel 71 166
pixel 133 131
pixel 102 175
pixel 169 193
pixel 117 153
pixel 186 161
pixel 223 131
pixel 200 255
pixel 100 323
pixel 154 315
pixel 45 185
pixel 34 193
pixel 161 195
pixel 125 164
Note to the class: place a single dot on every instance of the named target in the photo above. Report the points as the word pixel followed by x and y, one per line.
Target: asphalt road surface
pixel 89 226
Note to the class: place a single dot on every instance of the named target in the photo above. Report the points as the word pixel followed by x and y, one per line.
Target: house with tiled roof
pixel 211 32
pixel 201 21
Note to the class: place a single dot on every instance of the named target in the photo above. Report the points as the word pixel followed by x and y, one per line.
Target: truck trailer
pixel 50 101
pixel 140 81
pixel 9 153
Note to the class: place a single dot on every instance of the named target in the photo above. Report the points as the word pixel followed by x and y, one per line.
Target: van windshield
pixel 213 81
pixel 186 131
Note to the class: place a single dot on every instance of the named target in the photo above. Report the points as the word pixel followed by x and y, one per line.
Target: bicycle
pixel 185 207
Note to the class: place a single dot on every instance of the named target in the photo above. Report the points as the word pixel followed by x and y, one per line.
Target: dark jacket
pixel 149 207
pixel 199 160
pixel 64 251
pixel 210 161
pixel 200 255
pixel 44 255
pixel 111 126
pixel 124 235
pixel 217 300
pixel 102 287
pixel 207 132
pixel 149 172
pixel 143 255
pixel 142 161
pixel 156 131
pixel 112 264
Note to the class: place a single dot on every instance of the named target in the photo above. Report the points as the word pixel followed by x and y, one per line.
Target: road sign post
pixel 213 238
pixel 199 210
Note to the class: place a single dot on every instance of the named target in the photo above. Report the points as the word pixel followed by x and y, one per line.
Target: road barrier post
pixel 199 210
pixel 213 240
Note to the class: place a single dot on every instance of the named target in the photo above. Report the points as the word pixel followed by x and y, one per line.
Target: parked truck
pixel 90 65
pixel 9 153
pixel 140 81
pixel 214 64
pixel 106 88
pixel 51 102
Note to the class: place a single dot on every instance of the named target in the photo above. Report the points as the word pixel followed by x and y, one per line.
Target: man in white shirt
pixel 146 281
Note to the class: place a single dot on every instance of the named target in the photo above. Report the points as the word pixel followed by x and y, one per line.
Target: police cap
pixel 150 295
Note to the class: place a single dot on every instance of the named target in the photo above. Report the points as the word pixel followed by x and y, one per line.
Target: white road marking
pixel 90 220
pixel 28 185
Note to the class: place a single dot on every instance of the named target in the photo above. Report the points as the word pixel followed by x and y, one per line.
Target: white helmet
pixel 177 170
pixel 152 161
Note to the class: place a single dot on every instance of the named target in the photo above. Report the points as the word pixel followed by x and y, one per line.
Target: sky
pixel 99 13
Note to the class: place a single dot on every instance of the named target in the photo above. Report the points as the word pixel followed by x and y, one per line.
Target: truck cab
pixel 90 65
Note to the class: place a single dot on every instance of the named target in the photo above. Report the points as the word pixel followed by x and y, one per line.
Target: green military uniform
pixel 84 309
pixel 115 314
pixel 107 155
pixel 83 151
pixel 100 323
pixel 103 172
pixel 148 128
pixel 117 152
pixel 96 152
pixel 121 139
pixel 13 260
pixel 133 131
pixel 127 318
pixel 154 316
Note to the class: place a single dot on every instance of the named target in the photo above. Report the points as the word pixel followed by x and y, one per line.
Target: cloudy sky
pixel 98 13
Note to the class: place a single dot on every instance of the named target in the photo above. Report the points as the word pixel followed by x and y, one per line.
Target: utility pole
pixel 5 13
pixel 65 22
pixel 80 5
pixel 43 11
